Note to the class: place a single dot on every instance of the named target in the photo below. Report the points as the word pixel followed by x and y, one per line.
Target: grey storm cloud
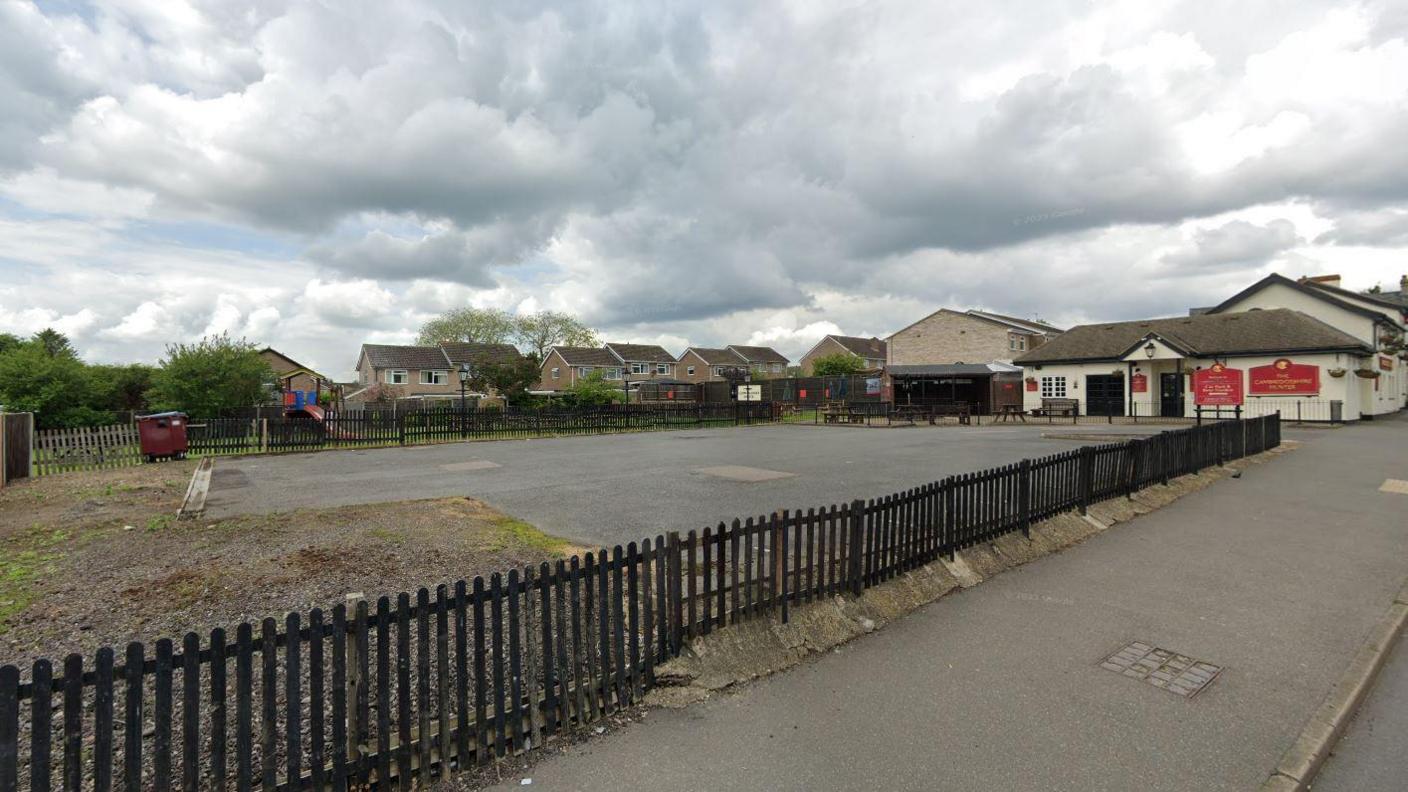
pixel 1236 244
pixel 686 162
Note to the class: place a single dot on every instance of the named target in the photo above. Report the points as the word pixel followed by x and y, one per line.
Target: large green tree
pixel 53 387
pixel 839 364
pixel 468 325
pixel 511 379
pixel 54 343
pixel 536 333
pixel 120 387
pixel 215 373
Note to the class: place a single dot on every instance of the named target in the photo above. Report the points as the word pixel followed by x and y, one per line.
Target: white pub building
pixel 1307 348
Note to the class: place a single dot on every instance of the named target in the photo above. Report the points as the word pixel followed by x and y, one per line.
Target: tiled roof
pixel 872 348
pixel 1245 332
pixel 641 353
pixel 481 353
pixel 389 356
pixel 717 357
pixel 587 356
pixel 758 354
pixel 1012 321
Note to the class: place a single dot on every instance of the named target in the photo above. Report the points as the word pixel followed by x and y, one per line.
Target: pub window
pixel 1053 387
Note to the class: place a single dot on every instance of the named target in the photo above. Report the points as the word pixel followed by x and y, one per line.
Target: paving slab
pixel 1275 578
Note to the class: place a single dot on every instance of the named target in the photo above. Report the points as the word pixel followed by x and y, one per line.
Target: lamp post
pixel 466 374
pixel 1149 350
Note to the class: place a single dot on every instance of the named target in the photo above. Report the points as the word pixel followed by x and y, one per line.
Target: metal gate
pixel 1104 394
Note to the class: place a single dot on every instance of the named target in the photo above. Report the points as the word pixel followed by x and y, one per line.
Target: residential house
pixel 421 372
pixel 294 377
pixel 708 364
pixel 761 360
pixel 949 336
pixel 563 366
pixel 644 362
pixel 871 351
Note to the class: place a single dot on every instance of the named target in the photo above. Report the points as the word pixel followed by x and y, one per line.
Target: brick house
pixel 294 376
pixel 422 372
pixel 644 362
pixel 951 337
pixel 707 364
pixel 871 351
pixel 761 360
pixel 564 365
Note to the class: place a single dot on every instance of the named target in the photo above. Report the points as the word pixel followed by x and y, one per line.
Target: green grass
pixel 25 561
pixel 512 529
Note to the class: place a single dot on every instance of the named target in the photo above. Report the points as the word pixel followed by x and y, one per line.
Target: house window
pixel 584 371
pixel 1017 343
pixel 718 371
pixel 1053 387
pixel 556 372
pixel 397 377
pixel 433 377
pixel 689 370
pixel 638 368
pixel 777 368
pixel 662 368
pixel 613 373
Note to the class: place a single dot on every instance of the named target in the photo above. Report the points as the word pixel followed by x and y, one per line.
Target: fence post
pixel 673 591
pixel 1136 448
pixel 855 546
pixel 779 563
pixel 1024 497
pixel 1087 476
pixel 400 428
pixel 263 435
pixel 354 678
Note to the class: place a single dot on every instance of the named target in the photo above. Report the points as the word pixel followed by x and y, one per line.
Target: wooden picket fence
pixel 413 689
pixel 86 448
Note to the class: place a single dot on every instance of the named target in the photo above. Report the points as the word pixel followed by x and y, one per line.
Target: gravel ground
pixel 95 559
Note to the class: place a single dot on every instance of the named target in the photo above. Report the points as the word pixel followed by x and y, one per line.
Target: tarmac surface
pixel 612 489
pixel 1276 577
pixel 1373 754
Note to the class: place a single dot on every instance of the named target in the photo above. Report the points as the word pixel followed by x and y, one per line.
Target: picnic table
pixel 909 412
pixel 1011 411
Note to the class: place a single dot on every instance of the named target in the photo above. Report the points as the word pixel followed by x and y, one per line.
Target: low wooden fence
pixel 416 687
pixel 63 450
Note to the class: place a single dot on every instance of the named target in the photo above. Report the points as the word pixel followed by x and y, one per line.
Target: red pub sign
pixel 1284 378
pixel 1139 383
pixel 1217 386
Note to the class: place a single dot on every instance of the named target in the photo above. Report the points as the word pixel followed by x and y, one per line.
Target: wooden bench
pixel 1065 408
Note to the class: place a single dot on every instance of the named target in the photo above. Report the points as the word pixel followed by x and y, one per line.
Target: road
pixel 1373 755
pixel 1277 577
pixel 610 489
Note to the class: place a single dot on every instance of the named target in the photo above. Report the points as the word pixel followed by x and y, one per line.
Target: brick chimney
pixel 1326 280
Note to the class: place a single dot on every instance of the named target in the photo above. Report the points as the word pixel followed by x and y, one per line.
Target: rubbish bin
pixel 163 435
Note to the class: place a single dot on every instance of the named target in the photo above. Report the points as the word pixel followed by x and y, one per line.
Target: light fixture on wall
pixel 1149 350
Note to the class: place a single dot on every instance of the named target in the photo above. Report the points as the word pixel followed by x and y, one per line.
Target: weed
pixel 159 522
pixel 516 531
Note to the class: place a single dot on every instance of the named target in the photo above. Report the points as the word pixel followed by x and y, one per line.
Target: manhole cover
pixel 1163 668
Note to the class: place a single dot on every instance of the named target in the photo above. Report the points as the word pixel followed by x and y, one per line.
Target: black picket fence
pixel 415 688
pixel 361 429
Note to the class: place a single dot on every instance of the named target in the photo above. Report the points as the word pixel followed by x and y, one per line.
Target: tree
pixel 53 387
pixel 594 390
pixel 120 388
pixel 9 341
pixel 468 325
pixel 54 343
pixel 536 333
pixel 216 373
pixel 511 379
pixel 837 365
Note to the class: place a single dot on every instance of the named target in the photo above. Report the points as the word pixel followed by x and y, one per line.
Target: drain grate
pixel 1179 674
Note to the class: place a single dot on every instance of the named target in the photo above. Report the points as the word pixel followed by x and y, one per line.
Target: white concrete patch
pixel 1395 486
pixel 743 473
pixel 473 464
pixel 965 575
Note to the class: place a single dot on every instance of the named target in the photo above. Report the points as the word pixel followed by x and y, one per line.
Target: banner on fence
pixel 1217 386
pixel 1285 378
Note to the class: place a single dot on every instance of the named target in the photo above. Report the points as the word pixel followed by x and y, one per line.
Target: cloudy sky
pixel 315 175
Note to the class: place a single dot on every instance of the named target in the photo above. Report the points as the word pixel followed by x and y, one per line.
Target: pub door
pixel 1104 395
pixel 1171 395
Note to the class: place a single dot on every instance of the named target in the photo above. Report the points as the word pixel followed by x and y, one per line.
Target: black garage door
pixel 1104 394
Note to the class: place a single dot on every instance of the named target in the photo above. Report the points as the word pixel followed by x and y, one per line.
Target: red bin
pixel 163 435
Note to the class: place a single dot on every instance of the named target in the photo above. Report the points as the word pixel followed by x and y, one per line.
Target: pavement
pixel 1276 577
pixel 611 489
pixel 1373 754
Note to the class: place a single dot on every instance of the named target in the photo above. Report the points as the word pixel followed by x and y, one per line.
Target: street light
pixel 466 374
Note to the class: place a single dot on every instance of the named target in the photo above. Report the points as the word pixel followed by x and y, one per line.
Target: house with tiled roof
pixel 709 364
pixel 563 366
pixel 761 360
pixel 644 361
pixel 413 371
pixel 871 351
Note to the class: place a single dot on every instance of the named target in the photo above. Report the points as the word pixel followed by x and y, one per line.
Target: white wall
pixel 1281 296
pixel 1348 389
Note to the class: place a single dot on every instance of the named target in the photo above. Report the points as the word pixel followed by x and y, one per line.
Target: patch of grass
pixel 385 534
pixel 510 530
pixel 159 522
pixel 28 558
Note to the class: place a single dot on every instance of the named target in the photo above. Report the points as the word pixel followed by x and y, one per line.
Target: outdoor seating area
pixel 1058 408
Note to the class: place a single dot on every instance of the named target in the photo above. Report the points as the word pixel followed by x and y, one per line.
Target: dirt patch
pixel 99 559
